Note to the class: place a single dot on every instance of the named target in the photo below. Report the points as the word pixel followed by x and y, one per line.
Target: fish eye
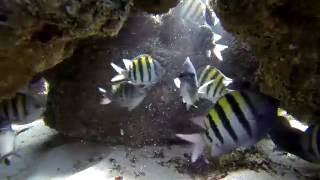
pixel 7 162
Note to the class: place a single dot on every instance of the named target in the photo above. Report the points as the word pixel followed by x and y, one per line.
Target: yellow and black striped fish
pixel 142 70
pixel 20 109
pixel 212 84
pixel 239 118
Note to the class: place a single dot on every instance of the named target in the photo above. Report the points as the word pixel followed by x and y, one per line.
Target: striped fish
pixel 125 95
pixel 188 84
pixel 7 141
pixel 212 84
pixel 21 109
pixel 239 118
pixel 310 142
pixel 142 70
pixel 192 11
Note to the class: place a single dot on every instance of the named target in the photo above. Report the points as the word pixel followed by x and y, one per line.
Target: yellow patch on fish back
pixel 212 72
pixel 223 102
pixel 215 117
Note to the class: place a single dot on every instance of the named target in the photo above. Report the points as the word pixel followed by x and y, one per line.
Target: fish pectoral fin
pixel 119 77
pixel 127 63
pixel 105 101
pixel 202 88
pixel 117 68
pixel 198 144
pixel 177 82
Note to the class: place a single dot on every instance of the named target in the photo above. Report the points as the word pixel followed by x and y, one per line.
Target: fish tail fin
pixel 122 73
pixel 198 144
pixel 217 51
pixel 105 100
pixel 226 81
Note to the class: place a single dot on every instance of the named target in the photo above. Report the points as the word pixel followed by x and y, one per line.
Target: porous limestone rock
pixel 36 35
pixel 284 35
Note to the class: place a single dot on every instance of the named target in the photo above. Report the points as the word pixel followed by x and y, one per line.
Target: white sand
pixel 81 160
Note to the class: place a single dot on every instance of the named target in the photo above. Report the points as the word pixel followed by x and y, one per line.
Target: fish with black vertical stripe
pixel 212 84
pixel 7 141
pixel 239 118
pixel 188 84
pixel 141 70
pixel 124 94
pixel 21 109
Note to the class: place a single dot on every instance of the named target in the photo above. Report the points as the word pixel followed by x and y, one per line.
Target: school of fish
pixel 236 118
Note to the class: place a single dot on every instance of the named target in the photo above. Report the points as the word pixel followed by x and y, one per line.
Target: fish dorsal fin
pixel 127 63
pixel 117 68
pixel 217 50
pixel 198 144
pixel 202 88
pixel 216 37
pixel 188 66
pixel 177 82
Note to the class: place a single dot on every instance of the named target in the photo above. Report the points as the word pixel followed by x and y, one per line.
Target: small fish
pixel 125 95
pixel 7 141
pixel 21 109
pixel 239 118
pixel 192 11
pixel 212 84
pixel 142 70
pixel 188 84
pixel 310 142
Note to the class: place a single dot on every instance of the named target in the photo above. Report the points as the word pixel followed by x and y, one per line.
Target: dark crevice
pixel 3 18
pixel 47 33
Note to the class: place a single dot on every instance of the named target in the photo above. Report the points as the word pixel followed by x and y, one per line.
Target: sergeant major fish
pixel 197 12
pixel 188 84
pixel 21 109
pixel 239 118
pixel 7 141
pixel 125 95
pixel 142 70
pixel 212 84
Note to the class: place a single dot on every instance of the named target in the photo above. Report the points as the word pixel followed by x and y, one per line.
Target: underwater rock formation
pixel 285 38
pixel 74 101
pixel 155 6
pixel 36 35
